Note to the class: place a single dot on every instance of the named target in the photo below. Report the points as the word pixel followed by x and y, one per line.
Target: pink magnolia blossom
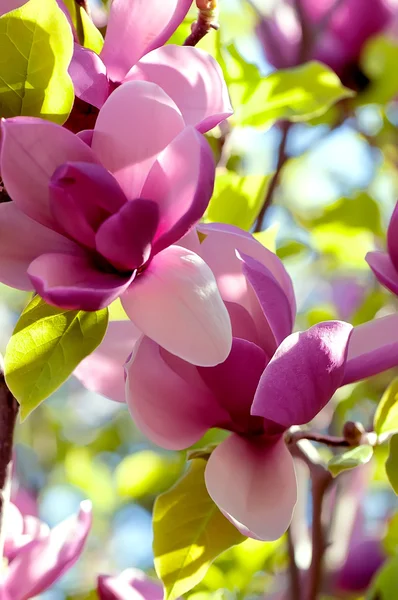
pixel 38 556
pixel 90 223
pixel 271 380
pixel 133 50
pixel 9 5
pixel 385 264
pixel 130 584
pixel 334 35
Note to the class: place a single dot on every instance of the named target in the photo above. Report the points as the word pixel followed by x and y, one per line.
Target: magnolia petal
pixel 21 241
pixel 254 482
pixel 136 28
pixel 134 125
pixel 219 251
pixel 131 584
pixel 181 182
pixel 103 371
pixel 234 382
pixel 170 411
pixel 272 303
pixel 192 78
pixel 372 349
pixel 125 239
pixel 175 302
pixel 392 237
pixel 41 564
pixel 41 147
pixel 89 77
pixel 383 268
pixel 303 374
pixel 72 282
pixel 9 5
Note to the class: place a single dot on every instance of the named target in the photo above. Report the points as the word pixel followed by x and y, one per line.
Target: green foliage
pixel 36 49
pixel 386 416
pixel 350 459
pixel 392 463
pixel 379 61
pixel 46 346
pixel 385 584
pixel 189 532
pixel 237 200
pixel 88 34
pixel 295 94
pixel 390 541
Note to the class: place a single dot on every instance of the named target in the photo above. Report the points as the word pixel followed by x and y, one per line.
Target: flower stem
pixel 207 19
pixel 8 414
pixel 294 576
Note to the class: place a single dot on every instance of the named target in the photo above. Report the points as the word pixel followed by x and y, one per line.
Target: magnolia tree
pixel 249 333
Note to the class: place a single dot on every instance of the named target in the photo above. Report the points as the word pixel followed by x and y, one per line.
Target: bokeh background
pixel 333 204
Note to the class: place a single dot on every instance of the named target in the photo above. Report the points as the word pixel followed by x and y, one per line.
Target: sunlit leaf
pixel 93 476
pixel 392 463
pixel 189 532
pixel 88 34
pixel 268 237
pixel 390 541
pixel 46 346
pixel 146 473
pixel 342 244
pixel 295 94
pixel 36 49
pixel 237 200
pixel 386 415
pixel 385 584
pixel 379 62
pixel 350 459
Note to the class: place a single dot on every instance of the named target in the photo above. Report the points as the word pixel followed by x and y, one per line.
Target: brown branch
pixel 282 158
pixel 207 19
pixel 294 575
pixel 354 434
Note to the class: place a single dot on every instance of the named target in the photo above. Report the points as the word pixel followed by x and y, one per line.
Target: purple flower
pixel 271 380
pixel 385 264
pixel 131 583
pixel 91 223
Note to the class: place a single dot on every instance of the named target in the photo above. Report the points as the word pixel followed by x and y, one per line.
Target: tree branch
pixel 294 575
pixel 207 19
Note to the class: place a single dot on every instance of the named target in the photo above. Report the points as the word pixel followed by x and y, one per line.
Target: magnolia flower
pixel 38 556
pixel 131 583
pixel 133 50
pixel 330 36
pixel 271 380
pixel 9 5
pixel 88 224
pixel 385 264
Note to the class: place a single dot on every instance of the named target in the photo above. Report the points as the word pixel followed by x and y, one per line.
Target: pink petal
pixel 272 303
pixel 125 239
pixel 41 147
pixel 103 371
pixel 303 374
pixel 21 241
pixel 254 482
pixel 72 282
pixel 181 182
pixel 372 349
pixel 131 584
pixel 89 77
pixel 172 412
pixel 192 78
pixel 134 125
pixel 234 382
pixel 392 237
pixel 43 563
pixel 82 196
pixel 136 28
pixel 86 136
pixel 219 251
pixel 175 302
pixel 9 5
pixel 383 268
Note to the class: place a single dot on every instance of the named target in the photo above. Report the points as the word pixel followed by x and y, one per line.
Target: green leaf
pixel 379 62
pixel 88 34
pixel 385 584
pixel 392 463
pixel 386 415
pixel 390 541
pixel 46 346
pixel 295 94
pixel 237 200
pixel 189 532
pixel 36 49
pixel 350 459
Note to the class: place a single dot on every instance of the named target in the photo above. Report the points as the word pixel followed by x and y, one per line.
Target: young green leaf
pixel 386 415
pixel 36 49
pixel 392 463
pixel 350 459
pixel 385 584
pixel 189 532
pixel 88 34
pixel 295 94
pixel 46 346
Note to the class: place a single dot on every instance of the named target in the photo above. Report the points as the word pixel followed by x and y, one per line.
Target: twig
pixel 207 19
pixel 8 415
pixel 321 479
pixel 294 576
pixel 313 436
pixel 282 158
pixel 84 4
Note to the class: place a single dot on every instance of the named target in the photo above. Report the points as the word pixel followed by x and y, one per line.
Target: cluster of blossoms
pixel 114 212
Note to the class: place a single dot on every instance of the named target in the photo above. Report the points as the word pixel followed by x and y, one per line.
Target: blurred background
pixel 332 205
